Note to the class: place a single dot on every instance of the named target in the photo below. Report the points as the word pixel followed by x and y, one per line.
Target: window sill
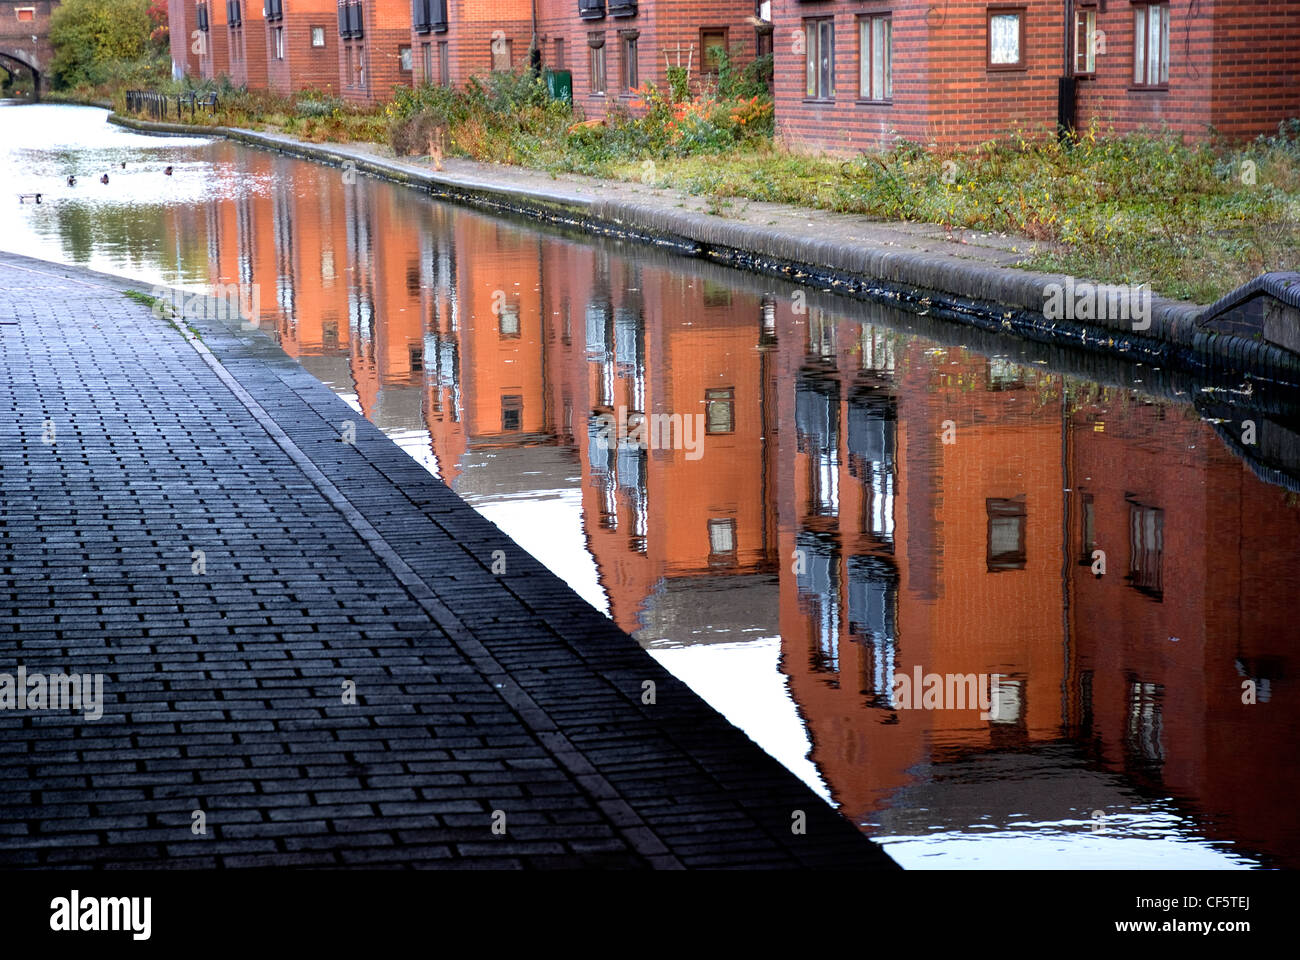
pixel 1135 89
pixel 864 102
pixel 1007 68
pixel 822 100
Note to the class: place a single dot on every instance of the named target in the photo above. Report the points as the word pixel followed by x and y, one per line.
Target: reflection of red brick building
pixel 826 481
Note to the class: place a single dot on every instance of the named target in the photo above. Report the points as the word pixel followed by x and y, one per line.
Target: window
pixel 1085 41
pixel 558 63
pixel 279 43
pixel 710 42
pixel 1006 39
pixel 875 56
pixel 512 413
pixel 1151 45
pixel 444 63
pixel 25 14
pixel 720 410
pixel 404 59
pixel 628 76
pixel 426 61
pixel 1006 549
pixel 1146 549
pixel 596 44
pixel 318 36
pixel 819 62
pixel 501 54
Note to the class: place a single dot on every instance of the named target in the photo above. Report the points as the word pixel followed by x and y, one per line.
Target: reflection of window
pixel 873 612
pixel 1089 524
pixel 1085 41
pixel 318 36
pixel 329 333
pixel 875 69
pixel 1150 44
pixel 1006 39
pixel 817 578
pixel 715 294
pixel 512 412
pixel 1006 700
pixel 417 358
pixel 722 540
pixel 508 322
pixel 720 410
pixel 1003 374
pixel 1006 534
pixel 1145 721
pixel 1146 548
pixel 819 59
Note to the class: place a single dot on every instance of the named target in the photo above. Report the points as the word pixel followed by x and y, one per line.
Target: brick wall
pixel 1232 67
pixel 246 45
pixel 180 23
pixel 305 66
pixel 214 56
pixel 473 26
pixel 387 28
pixel 661 27
pixel 16 35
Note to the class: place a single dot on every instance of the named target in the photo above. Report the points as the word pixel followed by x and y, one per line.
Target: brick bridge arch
pixel 10 57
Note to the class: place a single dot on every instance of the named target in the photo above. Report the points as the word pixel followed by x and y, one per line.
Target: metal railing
pixel 158 106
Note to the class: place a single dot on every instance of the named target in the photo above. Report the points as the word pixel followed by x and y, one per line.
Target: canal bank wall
pixel 975 284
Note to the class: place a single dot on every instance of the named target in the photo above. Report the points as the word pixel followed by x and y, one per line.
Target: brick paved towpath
pixel 477 697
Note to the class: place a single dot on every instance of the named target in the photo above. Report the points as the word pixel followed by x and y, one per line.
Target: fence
pixel 158 105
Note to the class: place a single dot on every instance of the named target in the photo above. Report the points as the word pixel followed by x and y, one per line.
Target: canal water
pixel 870 494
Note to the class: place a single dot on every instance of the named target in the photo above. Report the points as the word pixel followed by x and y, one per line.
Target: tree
pixel 91 37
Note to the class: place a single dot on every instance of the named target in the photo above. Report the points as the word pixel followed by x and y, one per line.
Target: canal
pixel 871 494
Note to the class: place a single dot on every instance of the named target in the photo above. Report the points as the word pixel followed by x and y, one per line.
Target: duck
pixel 24 197
pixel 104 179
pixel 123 164
pixel 167 171
pixel 72 181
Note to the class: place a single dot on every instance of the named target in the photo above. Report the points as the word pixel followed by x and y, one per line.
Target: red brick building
pixel 854 76
pixel 613 46
pixel 454 40
pixel 245 42
pixel 374 48
pixel 301 45
pixel 210 39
